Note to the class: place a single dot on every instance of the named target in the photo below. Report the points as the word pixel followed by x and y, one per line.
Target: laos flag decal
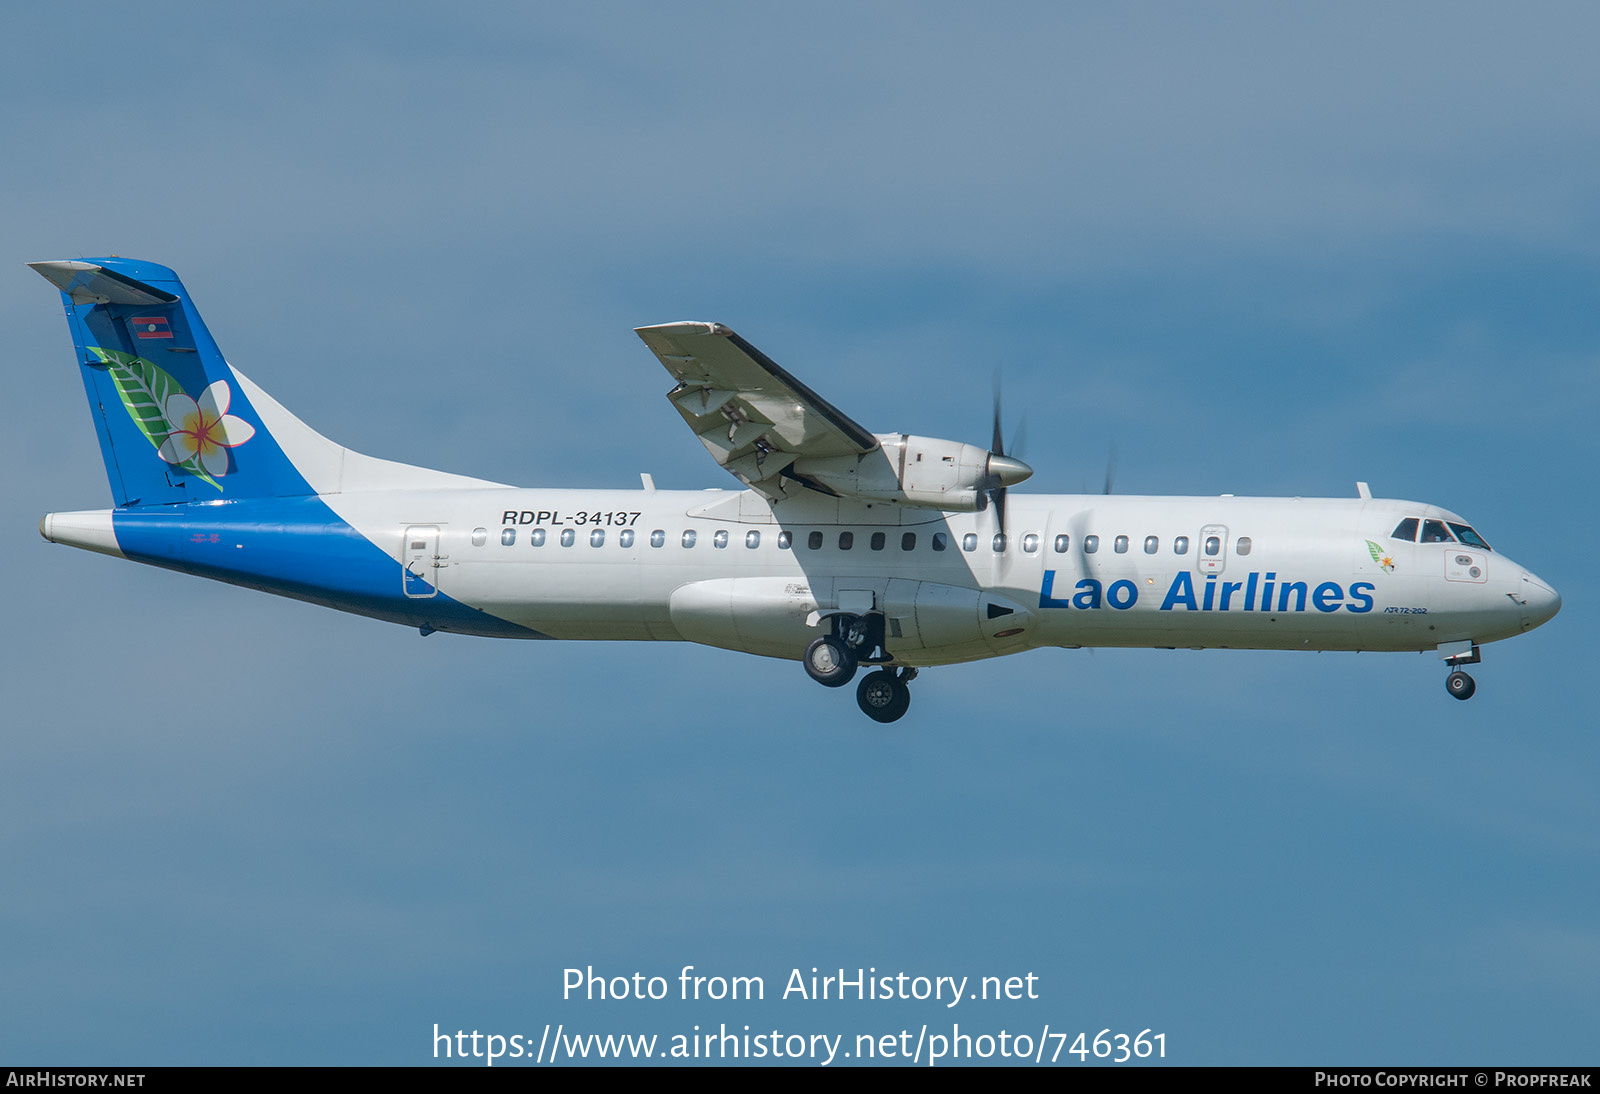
pixel 150 326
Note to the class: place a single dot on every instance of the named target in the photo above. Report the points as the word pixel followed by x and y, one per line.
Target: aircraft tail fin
pixel 175 423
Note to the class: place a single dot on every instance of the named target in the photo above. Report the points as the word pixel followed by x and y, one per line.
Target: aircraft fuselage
pixel 728 569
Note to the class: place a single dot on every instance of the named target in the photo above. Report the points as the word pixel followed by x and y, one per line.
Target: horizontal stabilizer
pixel 87 283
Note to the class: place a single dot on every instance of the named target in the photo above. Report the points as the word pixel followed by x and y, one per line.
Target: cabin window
pixel 847 540
pixel 597 537
pixel 658 538
pixel 814 541
pixel 1062 543
pixel 908 541
pixel 1468 536
pixel 508 536
pixel 1180 546
pixel 1152 544
pixel 1120 545
pixel 752 539
pixel 878 540
pixel 1213 545
pixel 940 541
pixel 1434 531
pixel 1242 545
pixel 536 538
pixel 568 537
pixel 1406 530
pixel 625 538
pixel 785 541
pixel 999 543
pixel 1030 544
pixel 688 537
pixel 969 542
pixel 719 538
pixel 1091 544
pixel 480 536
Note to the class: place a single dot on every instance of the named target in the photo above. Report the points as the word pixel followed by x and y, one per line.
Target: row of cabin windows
pixel 877 541
pixel 537 537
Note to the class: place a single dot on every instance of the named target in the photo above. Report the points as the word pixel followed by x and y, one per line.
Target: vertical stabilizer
pixel 174 422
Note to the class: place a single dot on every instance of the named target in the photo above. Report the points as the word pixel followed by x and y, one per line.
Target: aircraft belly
pixel 1216 630
pixel 563 597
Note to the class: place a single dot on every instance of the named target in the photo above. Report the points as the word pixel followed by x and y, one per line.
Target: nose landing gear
pixel 1458 683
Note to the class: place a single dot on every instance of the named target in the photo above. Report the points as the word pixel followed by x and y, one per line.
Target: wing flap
pixel 752 415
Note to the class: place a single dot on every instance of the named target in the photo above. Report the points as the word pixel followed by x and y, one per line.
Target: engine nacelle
pixel 915 470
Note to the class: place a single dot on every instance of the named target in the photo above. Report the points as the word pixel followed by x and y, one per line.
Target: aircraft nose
pixel 1540 601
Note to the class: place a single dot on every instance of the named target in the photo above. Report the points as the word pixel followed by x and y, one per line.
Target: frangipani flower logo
pixel 204 430
pixel 194 435
pixel 1382 559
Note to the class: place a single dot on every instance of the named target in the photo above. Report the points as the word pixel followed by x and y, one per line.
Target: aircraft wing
pixel 751 415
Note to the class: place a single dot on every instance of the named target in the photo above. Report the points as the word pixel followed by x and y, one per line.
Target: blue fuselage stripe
pixel 294 547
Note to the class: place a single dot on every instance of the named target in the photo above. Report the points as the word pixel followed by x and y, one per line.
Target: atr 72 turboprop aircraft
pixel 845 548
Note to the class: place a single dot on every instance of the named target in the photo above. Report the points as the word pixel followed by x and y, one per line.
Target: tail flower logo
pixel 204 430
pixel 1382 559
pixel 194 435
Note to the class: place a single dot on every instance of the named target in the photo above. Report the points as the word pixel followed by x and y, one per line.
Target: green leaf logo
pixel 1380 557
pixel 146 389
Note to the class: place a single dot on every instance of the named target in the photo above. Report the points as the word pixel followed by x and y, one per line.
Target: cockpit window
pixel 1406 530
pixel 1434 531
pixel 1466 535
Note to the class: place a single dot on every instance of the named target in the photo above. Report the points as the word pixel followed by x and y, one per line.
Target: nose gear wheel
pixel 1460 685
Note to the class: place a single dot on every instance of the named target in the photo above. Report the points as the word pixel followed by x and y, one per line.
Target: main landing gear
pixel 832 660
pixel 883 695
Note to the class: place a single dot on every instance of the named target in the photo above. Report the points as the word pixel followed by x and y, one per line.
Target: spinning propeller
pixel 1002 470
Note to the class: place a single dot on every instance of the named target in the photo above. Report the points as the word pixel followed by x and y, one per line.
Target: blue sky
pixel 1260 251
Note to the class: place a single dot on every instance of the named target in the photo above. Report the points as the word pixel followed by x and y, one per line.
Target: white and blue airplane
pixel 844 548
